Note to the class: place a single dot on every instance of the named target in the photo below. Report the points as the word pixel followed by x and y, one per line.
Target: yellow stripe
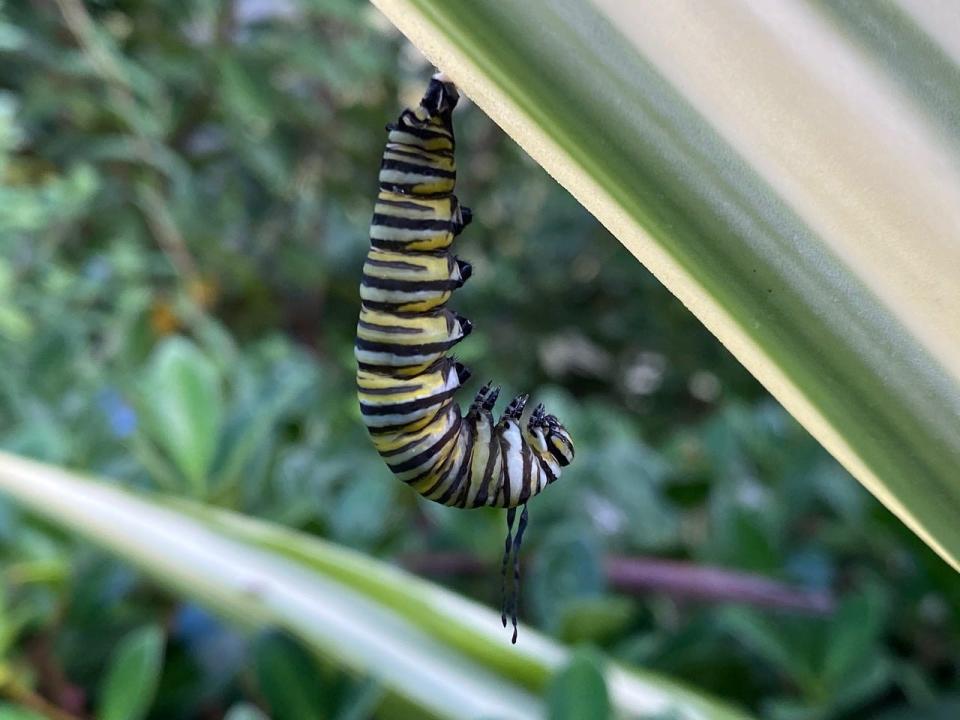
pixel 424 267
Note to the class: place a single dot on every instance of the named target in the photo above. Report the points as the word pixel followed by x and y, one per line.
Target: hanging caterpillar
pixel 406 379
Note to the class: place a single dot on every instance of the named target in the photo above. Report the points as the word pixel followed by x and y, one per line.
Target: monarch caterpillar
pixel 406 379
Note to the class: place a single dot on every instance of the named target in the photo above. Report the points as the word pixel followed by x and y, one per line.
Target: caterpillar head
pixel 551 442
pixel 558 440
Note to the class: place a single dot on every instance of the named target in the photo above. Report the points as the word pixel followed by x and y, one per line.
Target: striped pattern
pixel 406 380
pixel 408 223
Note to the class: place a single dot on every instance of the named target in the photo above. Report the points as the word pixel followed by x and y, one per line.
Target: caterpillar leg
pixel 515 408
pixel 486 397
pixel 466 326
pixel 462 217
pixel 463 372
pixel 538 417
pixel 465 270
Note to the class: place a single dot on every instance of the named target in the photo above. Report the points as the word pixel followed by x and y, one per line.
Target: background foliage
pixel 185 195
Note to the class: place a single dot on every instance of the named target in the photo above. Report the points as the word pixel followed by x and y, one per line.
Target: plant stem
pixel 681 580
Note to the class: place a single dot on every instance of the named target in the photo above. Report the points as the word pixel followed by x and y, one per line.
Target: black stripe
pixel 405 350
pixel 433 468
pixel 443 472
pixel 505 474
pixel 395 148
pixel 390 329
pixel 405 427
pixel 392 369
pixel 426 472
pixel 409 119
pixel 545 466
pixel 464 468
pixel 492 451
pixel 417 168
pixel 388 391
pixel 446 134
pixel 557 454
pixel 405 204
pixel 442 476
pixel 404 448
pixel 410 286
pixel 418 132
pixel 449 314
pixel 395 264
pixel 418 459
pixel 395 221
pixel 405 407
pixel 527 488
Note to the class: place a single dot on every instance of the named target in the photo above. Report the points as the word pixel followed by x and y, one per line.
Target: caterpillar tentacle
pixel 507 547
pixel 515 597
pixel 406 376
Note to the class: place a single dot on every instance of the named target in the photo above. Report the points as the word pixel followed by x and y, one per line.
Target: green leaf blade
pixel 426 646
pixel 806 263
pixel 579 690
pixel 184 405
pixel 131 681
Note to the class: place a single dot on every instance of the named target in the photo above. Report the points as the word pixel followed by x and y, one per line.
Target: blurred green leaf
pixel 766 638
pixel 782 709
pixel 946 708
pixel 184 407
pixel 11 37
pixel 288 678
pixel 750 547
pixel 245 711
pixel 866 681
pixel 12 712
pixel 137 150
pixel 131 680
pixel 361 701
pixel 60 198
pixel 595 619
pixel 853 637
pixel 579 690
pixel 568 568
pixel 252 417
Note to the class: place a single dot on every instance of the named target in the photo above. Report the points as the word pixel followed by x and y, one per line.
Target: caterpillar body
pixel 406 378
